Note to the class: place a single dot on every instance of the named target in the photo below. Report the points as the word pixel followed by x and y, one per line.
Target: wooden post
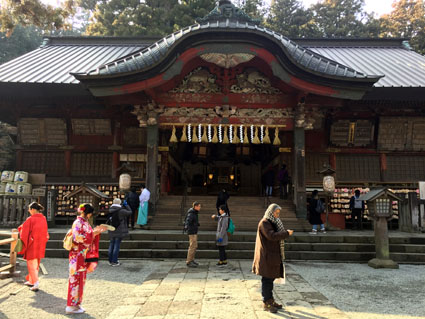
pixel 152 163
pixel 404 217
pixel 414 210
pixel 12 220
pixel 383 165
pixel 299 172
pixel 115 164
pixel 68 156
pixel 332 160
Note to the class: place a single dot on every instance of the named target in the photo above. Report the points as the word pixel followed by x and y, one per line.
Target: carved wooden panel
pixel 91 126
pixel 356 168
pixel 405 168
pixel 49 163
pixel 352 133
pixel 47 131
pixel 392 133
pixel 135 136
pixel 91 164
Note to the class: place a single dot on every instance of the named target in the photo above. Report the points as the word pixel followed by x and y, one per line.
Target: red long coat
pixel 34 235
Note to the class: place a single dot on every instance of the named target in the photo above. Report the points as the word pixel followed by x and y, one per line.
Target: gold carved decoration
pixel 252 81
pixel 227 60
pixel 198 81
pixel 148 114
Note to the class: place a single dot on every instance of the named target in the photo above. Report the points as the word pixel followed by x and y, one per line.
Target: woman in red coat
pixel 34 236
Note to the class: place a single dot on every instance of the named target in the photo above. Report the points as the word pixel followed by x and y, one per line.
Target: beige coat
pixel 267 259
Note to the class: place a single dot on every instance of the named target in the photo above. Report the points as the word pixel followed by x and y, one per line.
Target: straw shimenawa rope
pixel 215 138
pixel 256 140
pixel 266 138
pixel 183 138
pixel 173 138
pixel 225 137
pixel 204 138
pixel 276 140
pixel 195 135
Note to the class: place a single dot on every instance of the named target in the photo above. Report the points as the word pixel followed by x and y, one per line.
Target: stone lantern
pixel 379 204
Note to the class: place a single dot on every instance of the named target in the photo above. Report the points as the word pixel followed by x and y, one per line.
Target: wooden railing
pixel 10 269
pixel 14 209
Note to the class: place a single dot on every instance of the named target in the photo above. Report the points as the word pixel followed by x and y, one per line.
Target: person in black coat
pixel 269 181
pixel 191 225
pixel 357 208
pixel 315 209
pixel 132 199
pixel 222 198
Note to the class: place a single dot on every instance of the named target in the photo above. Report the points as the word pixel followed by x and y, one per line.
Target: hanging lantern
pixel 215 138
pixel 276 140
pixel 245 136
pixel 266 138
pixel 256 140
pixel 183 138
pixel 225 137
pixel 194 136
pixel 204 138
pixel 173 138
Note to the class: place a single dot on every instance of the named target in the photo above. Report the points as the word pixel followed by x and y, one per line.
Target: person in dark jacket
pixel 315 209
pixel 222 198
pixel 133 201
pixel 221 237
pixel 269 254
pixel 269 181
pixel 116 236
pixel 283 178
pixel 357 209
pixel 191 225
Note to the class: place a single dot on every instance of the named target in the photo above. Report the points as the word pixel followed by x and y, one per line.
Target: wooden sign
pixel 39 192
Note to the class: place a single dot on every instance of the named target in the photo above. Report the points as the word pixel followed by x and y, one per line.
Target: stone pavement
pixel 166 289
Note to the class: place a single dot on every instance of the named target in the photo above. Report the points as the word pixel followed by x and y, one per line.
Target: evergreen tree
pixel 21 41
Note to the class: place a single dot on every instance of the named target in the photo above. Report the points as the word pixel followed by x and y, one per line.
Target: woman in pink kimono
pixel 83 238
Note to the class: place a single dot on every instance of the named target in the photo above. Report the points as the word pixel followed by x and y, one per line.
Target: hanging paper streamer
pixel 256 140
pixel 266 138
pixel 199 133
pixel 225 137
pixel 194 136
pixel 183 138
pixel 245 136
pixel 276 140
pixel 189 133
pixel 231 134
pixel 261 134
pixel 204 138
pixel 173 138
pixel 209 133
pixel 252 133
pixel 220 134
pixel 241 133
pixel 215 139
pixel 236 139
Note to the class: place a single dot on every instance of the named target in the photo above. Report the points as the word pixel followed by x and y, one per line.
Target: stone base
pixel 382 263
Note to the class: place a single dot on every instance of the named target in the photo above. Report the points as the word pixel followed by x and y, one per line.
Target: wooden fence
pixel 14 209
pixel 10 269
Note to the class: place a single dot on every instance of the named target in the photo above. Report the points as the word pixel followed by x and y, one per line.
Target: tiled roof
pixel 304 58
pixel 58 57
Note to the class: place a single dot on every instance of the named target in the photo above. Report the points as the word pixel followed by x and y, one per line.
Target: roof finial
pixel 226 10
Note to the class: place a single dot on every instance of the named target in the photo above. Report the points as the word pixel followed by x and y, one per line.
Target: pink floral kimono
pixel 82 239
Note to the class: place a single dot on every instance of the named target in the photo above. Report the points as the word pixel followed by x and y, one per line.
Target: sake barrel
pixel 11 189
pixel 23 188
pixel 21 177
pixel 7 176
pixel 2 188
pixel 125 182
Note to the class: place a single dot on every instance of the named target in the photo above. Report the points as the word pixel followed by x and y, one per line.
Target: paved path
pixel 168 289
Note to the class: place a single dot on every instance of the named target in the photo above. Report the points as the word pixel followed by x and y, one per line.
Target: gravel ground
pixel 363 292
pixel 105 285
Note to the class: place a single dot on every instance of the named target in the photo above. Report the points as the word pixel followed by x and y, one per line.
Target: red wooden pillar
pixel 115 164
pixel 383 165
pixel 68 163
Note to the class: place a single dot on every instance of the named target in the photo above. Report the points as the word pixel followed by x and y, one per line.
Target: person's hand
pixel 212 216
pixel 219 240
pixel 290 232
pixel 99 229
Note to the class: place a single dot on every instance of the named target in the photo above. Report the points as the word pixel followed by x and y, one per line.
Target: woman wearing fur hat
pixel 118 213
pixel 83 236
pixel 269 254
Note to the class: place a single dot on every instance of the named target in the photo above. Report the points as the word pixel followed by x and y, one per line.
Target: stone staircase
pixel 246 212
pixel 339 246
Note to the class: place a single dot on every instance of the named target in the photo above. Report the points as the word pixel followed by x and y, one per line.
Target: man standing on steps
pixel 191 225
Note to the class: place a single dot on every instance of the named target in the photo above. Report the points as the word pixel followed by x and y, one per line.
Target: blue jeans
pixel 322 226
pixel 114 249
pixel 269 190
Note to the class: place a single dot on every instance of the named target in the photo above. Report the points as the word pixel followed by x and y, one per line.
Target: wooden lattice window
pixel 356 168
pixel 405 168
pixel 91 126
pixel 134 136
pixel 49 163
pixel 313 164
pixel 91 164
pixel 48 131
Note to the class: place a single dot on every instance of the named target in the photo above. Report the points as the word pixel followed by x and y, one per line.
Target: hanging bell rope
pixel 245 136
pixel 225 137
pixel 173 138
pixel 183 138
pixel 236 139
pixel 215 138
pixel 195 135
pixel 256 140
pixel 276 140
pixel 204 138
pixel 266 138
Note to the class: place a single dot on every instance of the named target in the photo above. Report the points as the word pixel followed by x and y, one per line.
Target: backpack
pixel 113 219
pixel 320 208
pixel 231 227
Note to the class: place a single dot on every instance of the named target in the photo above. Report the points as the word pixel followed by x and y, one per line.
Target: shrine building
pixel 217 104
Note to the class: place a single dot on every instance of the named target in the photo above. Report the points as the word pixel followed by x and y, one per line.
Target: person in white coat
pixel 142 218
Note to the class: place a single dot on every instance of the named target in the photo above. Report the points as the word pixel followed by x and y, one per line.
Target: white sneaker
pixel 70 310
pixel 313 232
pixel 34 287
pixel 27 283
pixel 323 231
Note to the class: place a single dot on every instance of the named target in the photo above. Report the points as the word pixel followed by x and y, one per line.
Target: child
pixel 221 235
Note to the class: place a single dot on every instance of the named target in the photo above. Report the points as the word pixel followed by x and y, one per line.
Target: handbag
pixel 19 246
pixel 67 240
